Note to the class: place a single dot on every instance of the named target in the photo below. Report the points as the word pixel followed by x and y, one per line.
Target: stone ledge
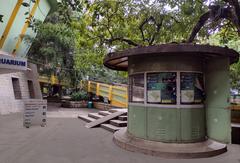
pixel 203 149
pixel 74 104
pixel 101 106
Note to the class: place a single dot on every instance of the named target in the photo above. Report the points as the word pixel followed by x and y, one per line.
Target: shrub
pixel 79 96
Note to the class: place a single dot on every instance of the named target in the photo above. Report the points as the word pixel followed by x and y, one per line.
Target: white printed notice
pixel 154 96
pixel 187 96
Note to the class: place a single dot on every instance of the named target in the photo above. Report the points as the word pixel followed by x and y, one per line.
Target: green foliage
pixel 229 38
pixel 74 40
pixel 107 25
pixel 109 21
pixel 52 49
pixel 1 18
pixel 79 96
pixel 25 4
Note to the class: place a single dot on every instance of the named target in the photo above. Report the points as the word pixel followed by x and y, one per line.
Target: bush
pixel 79 96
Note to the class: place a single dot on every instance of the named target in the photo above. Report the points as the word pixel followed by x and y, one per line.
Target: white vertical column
pixel 178 89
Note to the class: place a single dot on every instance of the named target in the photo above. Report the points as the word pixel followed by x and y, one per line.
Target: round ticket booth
pixel 178 99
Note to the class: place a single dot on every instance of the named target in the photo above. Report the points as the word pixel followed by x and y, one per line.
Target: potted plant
pixel 78 100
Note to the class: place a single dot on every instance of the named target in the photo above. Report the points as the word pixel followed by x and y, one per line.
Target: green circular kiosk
pixel 178 99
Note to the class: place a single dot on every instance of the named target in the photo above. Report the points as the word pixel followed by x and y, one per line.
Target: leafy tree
pixel 102 26
pixel 222 14
pixel 107 25
pixel 53 49
pixel 229 38
pixel 125 23
pixel 137 23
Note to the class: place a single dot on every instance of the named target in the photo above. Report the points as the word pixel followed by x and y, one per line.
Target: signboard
pixel 161 87
pixel 10 62
pixel 35 112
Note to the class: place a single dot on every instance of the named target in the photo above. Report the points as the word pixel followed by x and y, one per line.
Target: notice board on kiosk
pixel 192 88
pixel 161 88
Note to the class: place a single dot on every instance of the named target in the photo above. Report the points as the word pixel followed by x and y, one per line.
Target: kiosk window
pixel 161 88
pixel 136 88
pixel 192 88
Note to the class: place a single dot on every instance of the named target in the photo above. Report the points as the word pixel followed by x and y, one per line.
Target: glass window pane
pixel 136 88
pixel 161 88
pixel 192 88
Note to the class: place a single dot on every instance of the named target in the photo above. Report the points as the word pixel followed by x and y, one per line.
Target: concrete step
pixel 110 127
pixel 95 115
pixel 86 118
pixel 104 113
pixel 105 119
pixel 123 118
pixel 113 110
pixel 118 123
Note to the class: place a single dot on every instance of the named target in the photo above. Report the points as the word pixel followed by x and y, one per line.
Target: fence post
pixel 98 89
pixel 110 93
pixel 126 97
pixel 89 86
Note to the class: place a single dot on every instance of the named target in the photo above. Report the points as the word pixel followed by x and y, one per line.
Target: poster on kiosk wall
pixel 154 96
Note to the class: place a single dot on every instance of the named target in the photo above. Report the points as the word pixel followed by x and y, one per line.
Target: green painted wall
pixel 6 8
pixel 163 124
pixel 137 121
pixel 15 30
pixel 193 126
pixel 164 63
pixel 40 14
pixel 217 99
pixel 167 124
pixel 184 124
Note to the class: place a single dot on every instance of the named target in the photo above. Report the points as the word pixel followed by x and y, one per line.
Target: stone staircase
pixel 112 125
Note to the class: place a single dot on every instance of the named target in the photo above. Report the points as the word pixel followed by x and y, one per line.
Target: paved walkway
pixel 66 140
pixel 55 111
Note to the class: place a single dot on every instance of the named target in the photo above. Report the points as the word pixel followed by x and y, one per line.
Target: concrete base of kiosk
pixel 203 149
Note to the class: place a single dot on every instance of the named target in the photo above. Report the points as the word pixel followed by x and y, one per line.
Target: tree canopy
pixel 94 28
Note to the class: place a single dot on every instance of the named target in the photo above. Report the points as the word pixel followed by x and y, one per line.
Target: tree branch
pixel 203 19
pixel 121 39
pixel 237 13
pixel 236 6
pixel 216 13
pixel 159 25
pixel 108 24
pixel 141 27
pixel 229 14
pixel 177 21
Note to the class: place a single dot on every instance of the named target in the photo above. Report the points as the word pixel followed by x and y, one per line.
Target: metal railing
pixel 51 80
pixel 118 95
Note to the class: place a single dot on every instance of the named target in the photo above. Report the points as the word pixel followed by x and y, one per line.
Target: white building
pixel 18 78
